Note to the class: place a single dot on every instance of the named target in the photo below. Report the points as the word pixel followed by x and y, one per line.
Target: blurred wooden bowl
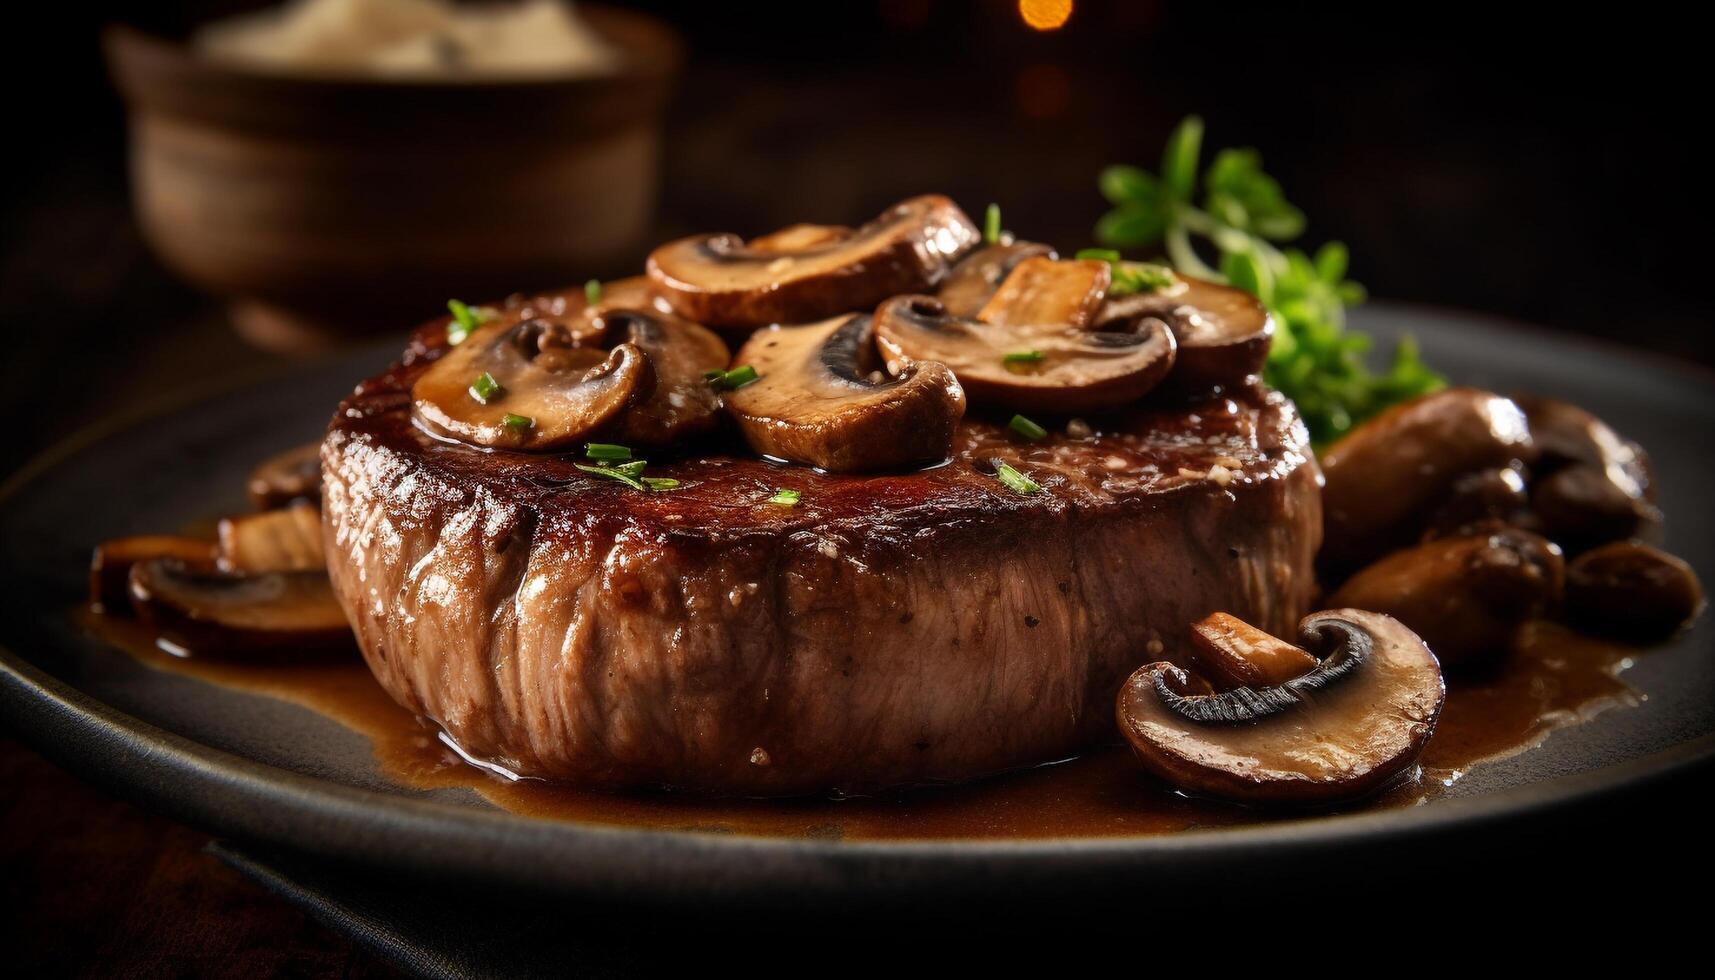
pixel 330 207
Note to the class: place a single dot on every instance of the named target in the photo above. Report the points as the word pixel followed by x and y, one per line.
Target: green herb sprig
pixel 1243 215
pixel 732 380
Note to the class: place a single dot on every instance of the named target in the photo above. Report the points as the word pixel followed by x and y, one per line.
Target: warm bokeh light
pixel 1045 15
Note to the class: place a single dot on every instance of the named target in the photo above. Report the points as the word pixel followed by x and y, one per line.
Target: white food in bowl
pixel 420 39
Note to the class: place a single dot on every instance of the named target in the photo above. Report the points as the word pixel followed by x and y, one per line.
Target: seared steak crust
pixel 888 630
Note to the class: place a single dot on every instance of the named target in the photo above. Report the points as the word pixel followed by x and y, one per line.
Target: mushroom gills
pixel 809 272
pixel 820 399
pixel 1029 348
pixel 1355 721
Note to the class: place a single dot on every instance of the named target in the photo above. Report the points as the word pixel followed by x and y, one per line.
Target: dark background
pixel 1544 166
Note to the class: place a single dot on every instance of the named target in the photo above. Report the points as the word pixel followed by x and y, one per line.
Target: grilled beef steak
pixel 887 630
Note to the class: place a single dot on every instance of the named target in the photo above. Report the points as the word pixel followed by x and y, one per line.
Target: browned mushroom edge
pixel 821 398
pixel 795 277
pixel 1465 596
pixel 1031 347
pixel 1350 724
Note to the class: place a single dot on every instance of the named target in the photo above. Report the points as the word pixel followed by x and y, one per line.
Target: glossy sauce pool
pixel 1553 678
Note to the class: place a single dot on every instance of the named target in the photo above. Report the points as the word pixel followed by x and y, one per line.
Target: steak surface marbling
pixel 891 629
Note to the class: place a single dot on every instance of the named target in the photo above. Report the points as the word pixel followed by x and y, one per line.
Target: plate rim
pixel 256 802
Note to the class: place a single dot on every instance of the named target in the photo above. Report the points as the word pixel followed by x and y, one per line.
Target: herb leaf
pixel 786 498
pixel 1015 480
pixel 1314 360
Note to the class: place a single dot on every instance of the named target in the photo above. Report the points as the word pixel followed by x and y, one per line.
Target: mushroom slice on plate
pixel 110 565
pixel 809 272
pixel 1465 596
pixel 972 283
pixel 1383 478
pixel 681 354
pixel 284 540
pixel 208 611
pixel 1356 719
pixel 820 398
pixel 1632 590
pixel 529 385
pixel 295 474
pixel 1030 347
pixel 1223 333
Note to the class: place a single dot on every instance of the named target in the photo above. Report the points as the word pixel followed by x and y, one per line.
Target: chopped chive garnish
pixel 786 498
pixel 1016 480
pixel 1139 277
pixel 660 482
pixel 592 291
pixel 991 224
pixel 464 321
pixel 631 469
pixel 738 377
pixel 613 473
pixel 606 451
pixel 1026 428
pixel 1104 254
pixel 1023 357
pixel 485 389
pixel 517 421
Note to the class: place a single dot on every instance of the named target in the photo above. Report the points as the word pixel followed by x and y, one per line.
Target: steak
pixel 888 630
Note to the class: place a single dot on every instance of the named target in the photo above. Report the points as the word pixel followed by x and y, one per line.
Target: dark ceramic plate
pixel 269 773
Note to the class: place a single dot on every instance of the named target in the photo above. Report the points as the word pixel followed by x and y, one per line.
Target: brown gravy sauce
pixel 1554 678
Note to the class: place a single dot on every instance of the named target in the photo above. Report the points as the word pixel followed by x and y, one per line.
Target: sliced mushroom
pixel 1465 596
pixel 820 398
pixel 797 276
pixel 1030 347
pixel 295 474
pixel 972 283
pixel 1383 477
pixel 284 540
pixel 1356 719
pixel 219 612
pixel 110 566
pixel 553 387
pixel 680 354
pixel 1632 590
pixel 1223 333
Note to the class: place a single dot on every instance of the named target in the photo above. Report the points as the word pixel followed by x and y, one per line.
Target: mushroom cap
pixel 1466 596
pixel 810 272
pixel 568 394
pixel 820 398
pixel 1383 478
pixel 1223 333
pixel 1632 590
pixel 211 611
pixel 1346 728
pixel 1045 307
pixel 551 360
pixel 110 565
pixel 285 540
